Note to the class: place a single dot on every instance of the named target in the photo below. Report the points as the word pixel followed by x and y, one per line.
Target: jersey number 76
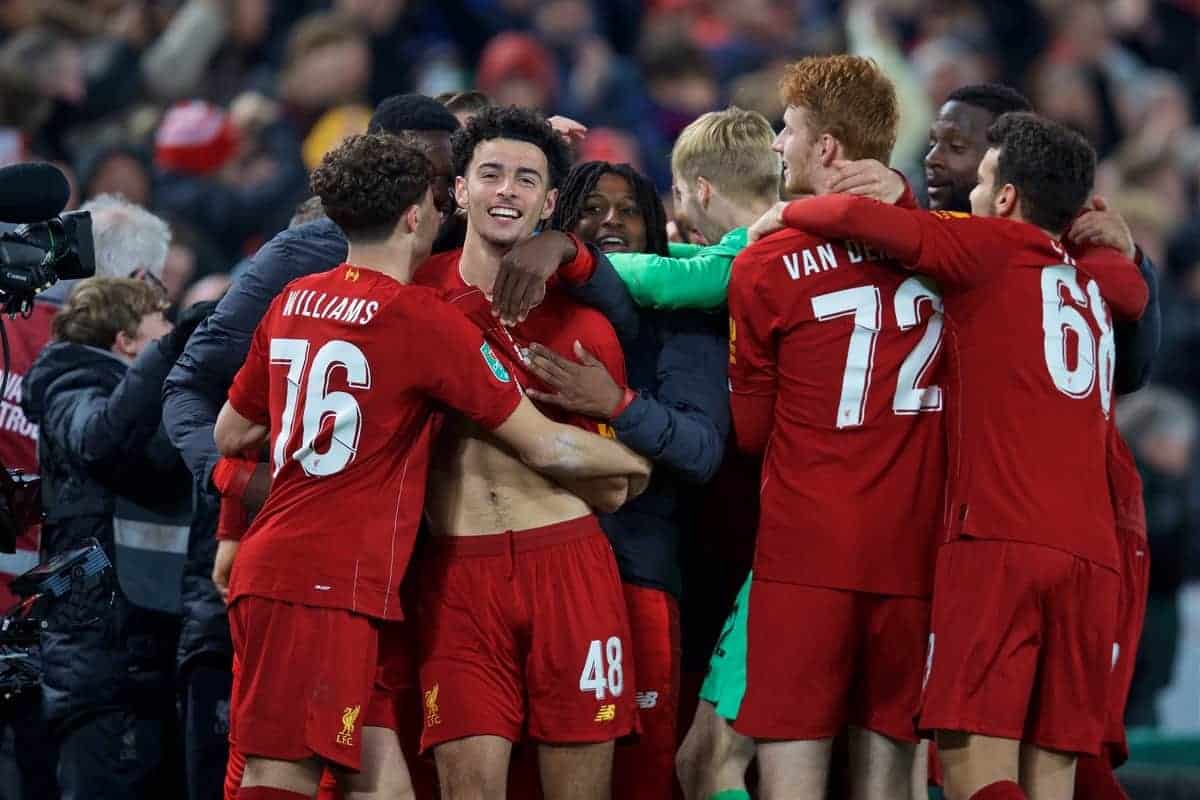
pixel 319 404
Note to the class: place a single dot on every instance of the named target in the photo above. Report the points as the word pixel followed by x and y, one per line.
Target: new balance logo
pixel 351 274
pixel 647 699
pixel 606 713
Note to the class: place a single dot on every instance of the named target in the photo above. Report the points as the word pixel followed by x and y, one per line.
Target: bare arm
pixel 563 452
pixel 234 434
pixel 605 495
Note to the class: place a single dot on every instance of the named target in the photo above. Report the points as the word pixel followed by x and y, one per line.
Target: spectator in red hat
pixel 236 175
pixel 195 138
pixel 515 69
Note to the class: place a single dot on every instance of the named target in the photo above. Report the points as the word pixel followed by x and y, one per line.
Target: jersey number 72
pixel 863 302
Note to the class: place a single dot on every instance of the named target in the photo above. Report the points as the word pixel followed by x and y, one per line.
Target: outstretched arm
pixel 944 245
pixel 663 282
pixel 564 452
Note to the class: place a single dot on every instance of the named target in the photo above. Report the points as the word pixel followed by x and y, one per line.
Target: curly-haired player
pixel 523 624
pixel 343 381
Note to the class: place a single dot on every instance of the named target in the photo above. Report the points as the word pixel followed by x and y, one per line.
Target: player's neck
pixel 480 261
pixel 1017 216
pixel 392 260
pixel 745 214
pixel 726 213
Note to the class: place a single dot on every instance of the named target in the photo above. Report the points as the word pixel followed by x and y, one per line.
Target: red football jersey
pixel 347 367
pixel 845 342
pixel 557 323
pixel 1129 504
pixel 1029 366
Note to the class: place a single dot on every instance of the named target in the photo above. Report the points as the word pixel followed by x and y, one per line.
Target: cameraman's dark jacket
pixel 100 439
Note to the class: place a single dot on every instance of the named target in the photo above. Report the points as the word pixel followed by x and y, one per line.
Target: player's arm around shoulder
pixel 1121 282
pixel 668 283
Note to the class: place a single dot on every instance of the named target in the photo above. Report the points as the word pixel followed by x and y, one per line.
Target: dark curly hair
pixel 1052 167
pixel 582 181
pixel 511 122
pixel 367 182
pixel 994 97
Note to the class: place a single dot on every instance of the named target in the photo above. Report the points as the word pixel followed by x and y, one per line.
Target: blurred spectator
pixel 1150 220
pixel 235 176
pixel 328 64
pixel 517 70
pixel 681 85
pixel 334 126
pixel 399 31
pixel 208 289
pixel 118 169
pixel 1160 426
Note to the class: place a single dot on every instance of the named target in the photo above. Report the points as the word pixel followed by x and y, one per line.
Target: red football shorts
pixel 525 631
pixel 308 679
pixel 818 659
pixel 1131 613
pixel 645 769
pixel 1022 644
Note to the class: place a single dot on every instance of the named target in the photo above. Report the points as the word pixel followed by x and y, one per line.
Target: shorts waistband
pixel 496 544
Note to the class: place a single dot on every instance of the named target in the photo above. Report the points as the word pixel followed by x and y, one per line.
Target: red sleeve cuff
pixel 579 270
pixel 231 476
pixel 232 520
pixel 908 199
pixel 502 412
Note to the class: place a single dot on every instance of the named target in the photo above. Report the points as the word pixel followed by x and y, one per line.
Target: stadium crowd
pixel 228 149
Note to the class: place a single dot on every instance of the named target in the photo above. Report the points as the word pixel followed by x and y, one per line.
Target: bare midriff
pixel 478 487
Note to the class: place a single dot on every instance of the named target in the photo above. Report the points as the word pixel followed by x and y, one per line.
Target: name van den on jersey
pixel 321 305
pixel 826 258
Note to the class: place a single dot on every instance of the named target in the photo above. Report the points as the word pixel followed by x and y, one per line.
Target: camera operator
pixel 95 393
pixel 128 240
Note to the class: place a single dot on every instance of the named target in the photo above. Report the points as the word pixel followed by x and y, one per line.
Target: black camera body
pixel 50 583
pixel 37 255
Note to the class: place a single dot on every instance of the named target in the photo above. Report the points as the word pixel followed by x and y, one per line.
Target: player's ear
pixel 548 206
pixel 830 150
pixel 704 191
pixel 1007 200
pixel 460 191
pixel 412 218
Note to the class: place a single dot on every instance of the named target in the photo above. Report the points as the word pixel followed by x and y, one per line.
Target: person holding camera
pixel 95 392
